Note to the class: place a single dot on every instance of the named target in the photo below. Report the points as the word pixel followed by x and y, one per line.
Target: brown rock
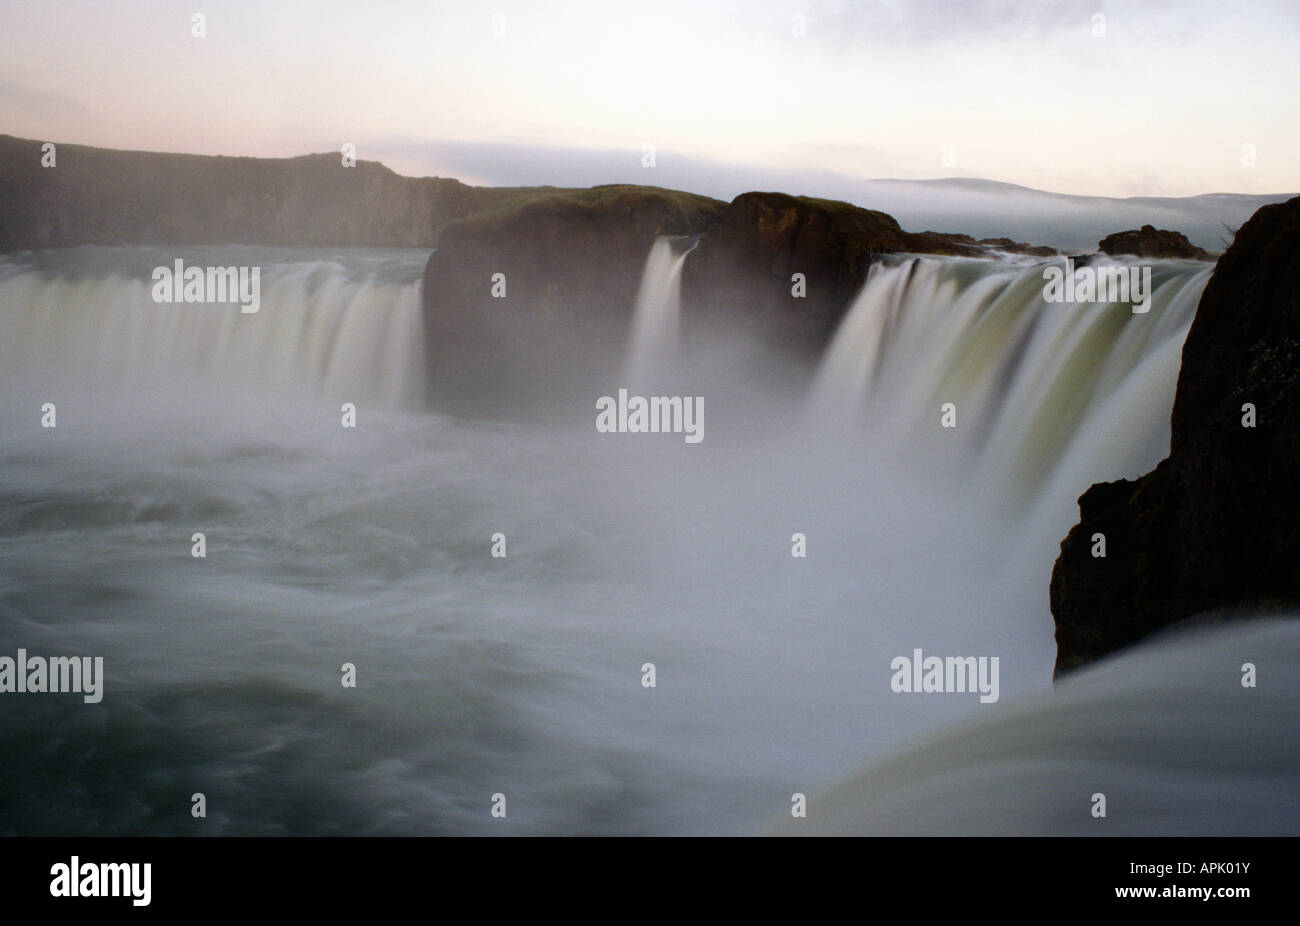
pixel 572 263
pixel 741 272
pixel 1151 242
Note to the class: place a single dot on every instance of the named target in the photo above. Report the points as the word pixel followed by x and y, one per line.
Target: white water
pixel 1043 392
pixel 345 333
pixel 479 675
pixel 654 351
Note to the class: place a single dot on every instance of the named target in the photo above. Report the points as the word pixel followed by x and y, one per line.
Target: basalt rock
pixel 743 273
pixel 1212 530
pixel 571 263
pixel 1151 242
pixel 529 307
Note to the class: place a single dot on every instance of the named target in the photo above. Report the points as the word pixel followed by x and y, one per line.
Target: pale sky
pixel 1165 102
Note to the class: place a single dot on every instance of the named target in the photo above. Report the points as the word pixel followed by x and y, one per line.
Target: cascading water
pixel 654 350
pixel 1036 387
pixel 518 673
pixel 347 333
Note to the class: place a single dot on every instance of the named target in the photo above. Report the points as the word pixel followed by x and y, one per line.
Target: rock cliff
pixel 1213 527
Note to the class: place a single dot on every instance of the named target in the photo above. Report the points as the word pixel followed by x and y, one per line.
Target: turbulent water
pixel 522 675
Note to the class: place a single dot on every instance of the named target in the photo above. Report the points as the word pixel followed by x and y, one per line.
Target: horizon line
pixel 859 179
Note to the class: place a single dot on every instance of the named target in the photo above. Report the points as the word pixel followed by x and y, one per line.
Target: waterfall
pixel 1077 391
pixel 372 545
pixel 654 350
pixel 343 332
pixel 1049 397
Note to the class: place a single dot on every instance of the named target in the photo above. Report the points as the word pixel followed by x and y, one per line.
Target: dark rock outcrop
pixel 573 261
pixel 571 264
pixel 743 268
pixel 103 196
pixel 1149 241
pixel 1213 527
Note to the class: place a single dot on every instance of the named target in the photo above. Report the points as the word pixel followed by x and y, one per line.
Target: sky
pixel 1118 98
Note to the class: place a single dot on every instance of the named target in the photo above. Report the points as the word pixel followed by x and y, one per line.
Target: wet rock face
pixel 572 263
pixel 1149 241
pixel 743 270
pixel 1213 527
pixel 530 307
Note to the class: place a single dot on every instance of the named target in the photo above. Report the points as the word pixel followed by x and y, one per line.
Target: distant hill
pixel 986 208
pixel 107 196
pixel 976 207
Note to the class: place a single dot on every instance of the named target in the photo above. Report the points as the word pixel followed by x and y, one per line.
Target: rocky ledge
pixel 1211 530
pixel 743 273
pixel 530 305
pixel 1152 242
